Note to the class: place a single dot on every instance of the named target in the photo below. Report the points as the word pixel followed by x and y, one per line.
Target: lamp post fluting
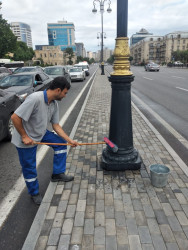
pixel 120 131
pixel 102 32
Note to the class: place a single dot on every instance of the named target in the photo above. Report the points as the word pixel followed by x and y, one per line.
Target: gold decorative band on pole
pixel 121 54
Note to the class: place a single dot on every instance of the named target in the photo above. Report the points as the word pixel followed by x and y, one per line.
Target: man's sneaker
pixel 61 177
pixel 37 199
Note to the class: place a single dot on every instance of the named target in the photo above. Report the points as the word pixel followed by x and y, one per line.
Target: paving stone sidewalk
pixel 116 210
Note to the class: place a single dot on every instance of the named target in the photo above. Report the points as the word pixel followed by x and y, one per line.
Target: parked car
pixel 4 72
pixel 68 67
pixel 77 74
pixel 9 102
pixel 85 67
pixel 178 63
pixel 28 69
pixel 55 71
pixel 152 67
pixel 23 84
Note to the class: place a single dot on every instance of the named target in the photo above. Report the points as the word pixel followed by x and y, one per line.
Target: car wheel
pixel 10 128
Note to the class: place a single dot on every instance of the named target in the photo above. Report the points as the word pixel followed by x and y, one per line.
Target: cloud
pixel 158 17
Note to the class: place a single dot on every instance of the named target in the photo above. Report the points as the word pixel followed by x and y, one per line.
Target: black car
pixel 9 102
pixel 4 72
pixel 23 84
pixel 28 69
pixel 59 70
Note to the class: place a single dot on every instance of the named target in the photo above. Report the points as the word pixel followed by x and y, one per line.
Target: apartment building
pixel 23 32
pixel 159 48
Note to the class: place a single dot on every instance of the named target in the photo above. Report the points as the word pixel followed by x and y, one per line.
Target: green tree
pixel 79 59
pixel 7 38
pixel 110 60
pixel 180 55
pixel 22 52
pixel 92 60
pixel 70 54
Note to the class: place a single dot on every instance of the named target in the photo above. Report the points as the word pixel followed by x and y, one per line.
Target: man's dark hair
pixel 59 82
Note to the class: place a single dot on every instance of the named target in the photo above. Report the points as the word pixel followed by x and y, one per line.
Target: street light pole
pixel 120 132
pixel 102 64
pixel 102 33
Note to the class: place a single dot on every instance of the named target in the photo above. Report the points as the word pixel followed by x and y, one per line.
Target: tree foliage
pixel 180 55
pixel 22 52
pixel 70 54
pixel 7 38
pixel 110 60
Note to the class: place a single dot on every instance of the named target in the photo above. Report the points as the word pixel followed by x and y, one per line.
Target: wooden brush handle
pixel 68 144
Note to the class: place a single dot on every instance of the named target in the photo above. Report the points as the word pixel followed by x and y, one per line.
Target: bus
pixel 11 64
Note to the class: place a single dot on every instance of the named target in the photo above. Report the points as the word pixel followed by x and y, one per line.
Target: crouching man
pixel 31 120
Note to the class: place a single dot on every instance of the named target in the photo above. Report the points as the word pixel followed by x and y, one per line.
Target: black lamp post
pixel 102 33
pixel 120 132
pixel 102 36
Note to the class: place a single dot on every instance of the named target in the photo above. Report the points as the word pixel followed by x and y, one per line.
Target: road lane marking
pixel 179 77
pixel 181 88
pixel 163 122
pixel 172 152
pixel 148 78
pixel 10 200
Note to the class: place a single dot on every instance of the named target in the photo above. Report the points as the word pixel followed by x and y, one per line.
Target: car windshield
pixel 53 71
pixel 75 70
pixel 84 66
pixel 16 80
pixel 19 70
pixel 153 64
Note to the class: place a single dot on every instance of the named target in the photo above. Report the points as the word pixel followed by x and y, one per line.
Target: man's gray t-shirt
pixel 36 113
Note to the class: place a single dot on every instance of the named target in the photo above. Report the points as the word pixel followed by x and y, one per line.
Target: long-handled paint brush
pixel 106 141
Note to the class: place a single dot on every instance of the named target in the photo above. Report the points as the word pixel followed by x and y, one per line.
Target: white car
pixel 178 63
pixel 77 74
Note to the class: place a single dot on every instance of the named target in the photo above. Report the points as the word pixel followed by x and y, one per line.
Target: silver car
pixel 59 70
pixel 152 67
pixel 77 74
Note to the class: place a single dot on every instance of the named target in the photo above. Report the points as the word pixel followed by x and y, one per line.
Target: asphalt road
pixel 164 93
pixel 16 227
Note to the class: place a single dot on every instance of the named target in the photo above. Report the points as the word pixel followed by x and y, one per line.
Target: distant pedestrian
pixel 31 120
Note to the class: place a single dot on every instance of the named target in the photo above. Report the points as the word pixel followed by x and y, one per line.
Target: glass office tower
pixel 62 33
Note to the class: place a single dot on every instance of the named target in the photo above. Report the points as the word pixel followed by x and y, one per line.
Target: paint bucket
pixel 159 175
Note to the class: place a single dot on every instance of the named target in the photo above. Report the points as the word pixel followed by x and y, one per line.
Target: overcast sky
pixel 159 17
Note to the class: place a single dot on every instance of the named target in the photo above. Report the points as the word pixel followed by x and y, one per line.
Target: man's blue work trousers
pixel 27 157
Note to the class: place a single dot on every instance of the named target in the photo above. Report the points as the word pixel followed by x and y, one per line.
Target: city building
pixel 52 55
pixel 107 54
pixel 159 48
pixel 95 56
pixel 23 32
pixel 89 54
pixel 62 34
pixel 143 33
pixel 79 49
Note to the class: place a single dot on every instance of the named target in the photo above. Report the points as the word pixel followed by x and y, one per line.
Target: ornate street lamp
pixel 109 10
pixel 120 132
